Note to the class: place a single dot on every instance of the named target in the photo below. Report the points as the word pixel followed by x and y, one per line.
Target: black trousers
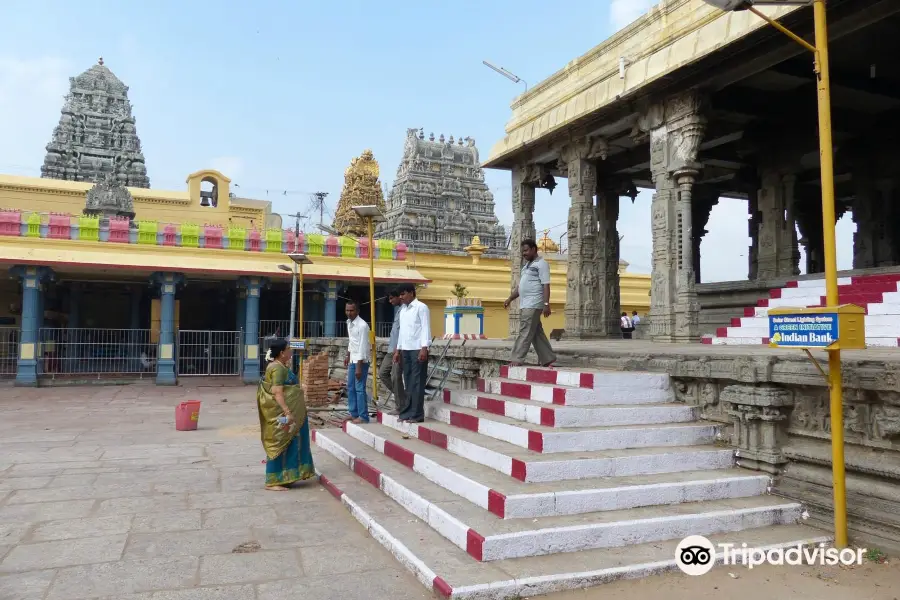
pixel 415 375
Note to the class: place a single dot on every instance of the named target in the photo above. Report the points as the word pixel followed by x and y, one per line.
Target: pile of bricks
pixel 315 375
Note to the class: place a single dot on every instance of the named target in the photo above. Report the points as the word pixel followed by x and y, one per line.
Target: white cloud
pixel 230 166
pixel 624 12
pixel 31 96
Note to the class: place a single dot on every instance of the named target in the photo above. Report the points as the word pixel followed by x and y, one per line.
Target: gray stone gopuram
pixel 96 135
pixel 440 201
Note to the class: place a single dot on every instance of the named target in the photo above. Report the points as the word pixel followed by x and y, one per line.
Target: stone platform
pixel 771 407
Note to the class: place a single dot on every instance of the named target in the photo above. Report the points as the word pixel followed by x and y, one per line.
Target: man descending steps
pixel 533 293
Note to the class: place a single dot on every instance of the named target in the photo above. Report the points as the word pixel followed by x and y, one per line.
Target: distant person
pixel 359 351
pixel 635 319
pixel 533 292
pixel 389 372
pixel 283 422
pixel 412 352
pixel 626 325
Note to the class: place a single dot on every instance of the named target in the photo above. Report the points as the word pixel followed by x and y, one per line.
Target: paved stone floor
pixel 100 497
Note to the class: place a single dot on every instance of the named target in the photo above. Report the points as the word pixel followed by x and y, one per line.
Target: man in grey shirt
pixel 533 292
pixel 390 373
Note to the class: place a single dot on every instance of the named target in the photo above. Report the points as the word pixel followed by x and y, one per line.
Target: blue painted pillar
pixel 253 285
pixel 32 319
pixel 165 356
pixel 330 308
pixel 241 317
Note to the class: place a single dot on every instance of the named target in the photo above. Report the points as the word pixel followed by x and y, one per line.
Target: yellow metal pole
pixel 831 280
pixel 300 312
pixel 372 306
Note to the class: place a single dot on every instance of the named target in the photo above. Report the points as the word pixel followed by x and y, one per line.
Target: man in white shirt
pixel 412 347
pixel 533 293
pixel 359 350
pixel 626 325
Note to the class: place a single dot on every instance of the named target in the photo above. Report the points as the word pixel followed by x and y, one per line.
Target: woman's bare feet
pixel 276 488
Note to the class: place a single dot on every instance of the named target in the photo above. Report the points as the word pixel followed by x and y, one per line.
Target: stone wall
pixel 774 406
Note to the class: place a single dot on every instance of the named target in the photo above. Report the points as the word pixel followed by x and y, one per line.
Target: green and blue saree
pixel 288 450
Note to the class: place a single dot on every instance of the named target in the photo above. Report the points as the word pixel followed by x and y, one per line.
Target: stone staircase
pixel 546 480
pixel 878 294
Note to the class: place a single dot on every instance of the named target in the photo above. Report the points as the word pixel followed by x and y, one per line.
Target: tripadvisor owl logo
pixel 695 555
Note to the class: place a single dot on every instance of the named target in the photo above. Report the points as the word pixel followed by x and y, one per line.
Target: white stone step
pixel 634 451
pixel 888 307
pixel 510 498
pixel 736 341
pixel 487 538
pixel 538 413
pixel 800 302
pixel 565 395
pixel 803 292
pixel 449 571
pixel 882 342
pixel 615 387
pixel 745 332
pixel 815 283
pixel 541 438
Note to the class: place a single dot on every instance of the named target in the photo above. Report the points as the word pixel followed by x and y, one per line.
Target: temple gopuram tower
pixel 440 201
pixel 96 136
pixel 361 188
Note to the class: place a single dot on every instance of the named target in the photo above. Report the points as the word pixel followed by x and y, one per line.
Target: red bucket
pixel 186 415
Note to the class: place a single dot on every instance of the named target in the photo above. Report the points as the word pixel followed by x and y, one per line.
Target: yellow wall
pixel 490 281
pixel 35 194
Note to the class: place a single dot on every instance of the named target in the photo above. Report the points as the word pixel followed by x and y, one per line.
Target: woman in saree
pixel 283 421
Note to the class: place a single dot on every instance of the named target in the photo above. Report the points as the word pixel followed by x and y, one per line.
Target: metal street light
pixel 298 259
pixel 371 214
pixel 505 73
pixel 826 153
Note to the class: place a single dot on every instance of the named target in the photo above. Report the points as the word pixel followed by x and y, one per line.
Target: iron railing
pixel 96 352
pixel 383 329
pixel 9 351
pixel 208 353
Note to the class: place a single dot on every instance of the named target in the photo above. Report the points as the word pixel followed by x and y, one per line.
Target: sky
pixel 279 95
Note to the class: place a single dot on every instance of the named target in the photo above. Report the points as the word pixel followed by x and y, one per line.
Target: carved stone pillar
pixel 760 415
pixel 777 235
pixel 873 245
pixel 676 129
pixel 522 229
pixel 582 296
pixel 607 260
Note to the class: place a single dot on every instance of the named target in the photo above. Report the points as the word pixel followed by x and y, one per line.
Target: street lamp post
pixel 371 214
pixel 298 260
pixel 826 155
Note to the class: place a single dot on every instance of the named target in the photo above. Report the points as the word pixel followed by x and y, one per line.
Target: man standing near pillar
pixel 412 352
pixel 534 294
pixel 389 372
pixel 357 363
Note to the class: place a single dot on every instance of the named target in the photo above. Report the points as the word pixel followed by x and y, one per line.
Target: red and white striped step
pixel 609 387
pixel 509 498
pixel 572 416
pixel 486 538
pixel 548 440
pixel 450 572
pixel 878 294
pixel 672 449
pixel 562 395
